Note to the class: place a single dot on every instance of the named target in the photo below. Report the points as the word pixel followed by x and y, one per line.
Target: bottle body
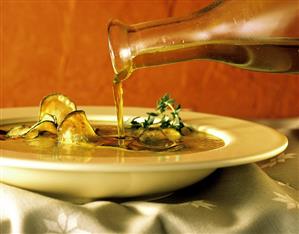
pixel 257 35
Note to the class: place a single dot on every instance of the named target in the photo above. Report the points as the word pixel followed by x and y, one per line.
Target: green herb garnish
pixel 166 116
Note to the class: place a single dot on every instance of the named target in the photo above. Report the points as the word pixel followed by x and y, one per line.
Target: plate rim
pixel 6 113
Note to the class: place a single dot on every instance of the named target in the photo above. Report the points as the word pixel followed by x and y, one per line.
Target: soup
pixel 46 146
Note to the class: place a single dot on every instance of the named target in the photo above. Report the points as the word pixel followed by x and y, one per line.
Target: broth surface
pixel 46 146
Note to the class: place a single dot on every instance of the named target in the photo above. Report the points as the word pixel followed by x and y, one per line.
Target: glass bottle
pixel 260 35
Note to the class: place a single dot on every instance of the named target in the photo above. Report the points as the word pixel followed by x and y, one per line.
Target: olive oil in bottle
pixel 255 35
pixel 272 55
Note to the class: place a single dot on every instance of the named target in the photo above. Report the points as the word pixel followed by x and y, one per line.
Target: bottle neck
pixel 227 31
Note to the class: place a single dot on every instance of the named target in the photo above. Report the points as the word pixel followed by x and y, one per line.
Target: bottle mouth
pixel 119 49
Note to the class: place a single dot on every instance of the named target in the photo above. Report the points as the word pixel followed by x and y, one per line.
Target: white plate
pixel 122 175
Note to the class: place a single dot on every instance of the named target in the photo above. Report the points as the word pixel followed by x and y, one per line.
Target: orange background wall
pixel 61 46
